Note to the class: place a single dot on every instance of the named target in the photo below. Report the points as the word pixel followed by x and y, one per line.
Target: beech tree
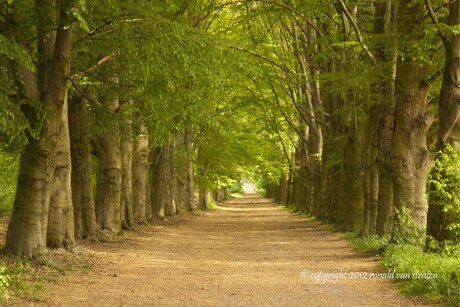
pixel 41 95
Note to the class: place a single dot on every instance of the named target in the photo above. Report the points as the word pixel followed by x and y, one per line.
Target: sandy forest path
pixel 246 253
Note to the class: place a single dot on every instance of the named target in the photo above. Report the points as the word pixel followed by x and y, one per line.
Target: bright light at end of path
pixel 248 187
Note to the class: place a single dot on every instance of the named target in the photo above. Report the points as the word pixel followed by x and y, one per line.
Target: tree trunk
pixel 82 172
pixel 190 189
pixel 173 175
pixel 284 186
pixel 61 232
pixel 161 200
pixel 140 176
pixel 270 191
pixel 351 209
pixel 410 160
pixel 449 100
pixel 108 187
pixel 126 198
pixel 449 112
pixel 301 180
pixel 370 174
pixel 166 179
pixel 203 199
pixel 384 21
pixel 27 229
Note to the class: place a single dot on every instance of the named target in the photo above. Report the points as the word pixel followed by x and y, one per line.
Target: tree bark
pixel 140 176
pixel 82 172
pixel 410 160
pixel 61 232
pixel 284 187
pixel 351 209
pixel 161 200
pixel 174 185
pixel 448 114
pixel 370 174
pixel 109 178
pixel 190 189
pixel 27 229
pixel 126 206
pixel 300 181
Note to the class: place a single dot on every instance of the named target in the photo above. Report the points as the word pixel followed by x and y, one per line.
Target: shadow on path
pixel 245 253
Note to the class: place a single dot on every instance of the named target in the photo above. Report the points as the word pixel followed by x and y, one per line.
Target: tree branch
pixel 99 63
pixel 260 56
pixel 435 20
pixel 357 31
pixel 280 4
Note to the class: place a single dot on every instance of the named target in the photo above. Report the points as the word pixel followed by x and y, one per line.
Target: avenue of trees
pixel 127 111
pixel 121 112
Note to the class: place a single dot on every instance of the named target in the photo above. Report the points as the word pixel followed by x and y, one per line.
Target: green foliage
pixel 442 274
pixel 22 278
pixel 422 273
pixel 405 229
pixel 373 244
pixel 236 188
pixel 8 175
pixel 443 187
pixel 4 282
pixel 211 204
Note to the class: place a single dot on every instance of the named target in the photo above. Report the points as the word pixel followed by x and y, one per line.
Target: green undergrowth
pixel 8 175
pixel 285 207
pixel 211 204
pixel 23 280
pixel 306 215
pixel 434 275
pixel 369 244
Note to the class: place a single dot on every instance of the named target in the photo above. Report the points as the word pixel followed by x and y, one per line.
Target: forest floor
pixel 247 252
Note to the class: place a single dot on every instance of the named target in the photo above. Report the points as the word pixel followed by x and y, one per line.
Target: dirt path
pixel 248 253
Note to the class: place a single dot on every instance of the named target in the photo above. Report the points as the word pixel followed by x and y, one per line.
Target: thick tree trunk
pixel 284 189
pixel 277 197
pixel 384 21
pixel 61 232
pixel 449 101
pixel 449 112
pixel 270 191
pixel 173 175
pixel 203 199
pixel 351 209
pixel 385 210
pixel 315 195
pixel 82 172
pixel 148 198
pixel 370 174
pixel 140 176
pixel 108 187
pixel 161 200
pixel 385 204
pixel 299 189
pixel 166 179
pixel 190 189
pixel 410 160
pixel 26 234
pixel 126 205
pixel 27 228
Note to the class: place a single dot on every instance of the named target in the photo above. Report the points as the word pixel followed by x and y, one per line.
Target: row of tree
pixel 370 89
pixel 336 106
pixel 122 112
